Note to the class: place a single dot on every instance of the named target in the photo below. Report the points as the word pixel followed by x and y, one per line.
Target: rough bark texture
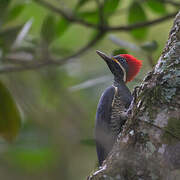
pixel 149 146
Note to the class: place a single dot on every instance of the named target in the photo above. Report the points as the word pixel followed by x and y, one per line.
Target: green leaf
pixel 48 29
pixel 157 6
pixel 110 6
pixel 61 26
pixel 89 16
pixel 88 142
pixel 119 51
pixel 150 46
pixel 81 3
pixel 3 6
pixel 136 14
pixel 7 36
pixel 10 120
pixel 4 3
pixel 15 12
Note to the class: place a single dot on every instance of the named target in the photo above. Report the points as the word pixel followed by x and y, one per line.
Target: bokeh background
pixel 47 113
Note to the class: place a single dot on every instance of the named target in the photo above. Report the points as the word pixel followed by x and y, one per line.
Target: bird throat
pixel 122 68
pixel 118 81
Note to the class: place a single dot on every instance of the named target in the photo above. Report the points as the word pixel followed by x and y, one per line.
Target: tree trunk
pixel 149 146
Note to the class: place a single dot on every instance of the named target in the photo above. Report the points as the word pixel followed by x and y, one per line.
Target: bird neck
pixel 118 82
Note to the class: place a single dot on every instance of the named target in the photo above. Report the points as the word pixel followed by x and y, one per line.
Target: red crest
pixel 134 66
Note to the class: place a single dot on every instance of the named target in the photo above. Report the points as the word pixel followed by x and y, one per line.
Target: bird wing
pixel 103 135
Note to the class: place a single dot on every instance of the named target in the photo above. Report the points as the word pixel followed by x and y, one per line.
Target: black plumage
pixel 111 109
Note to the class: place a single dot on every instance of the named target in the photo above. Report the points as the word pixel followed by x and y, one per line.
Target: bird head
pixel 124 66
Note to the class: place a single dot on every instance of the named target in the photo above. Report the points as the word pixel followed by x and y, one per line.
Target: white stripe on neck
pixel 124 71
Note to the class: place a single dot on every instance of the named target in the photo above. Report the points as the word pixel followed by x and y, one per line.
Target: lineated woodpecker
pixel 114 102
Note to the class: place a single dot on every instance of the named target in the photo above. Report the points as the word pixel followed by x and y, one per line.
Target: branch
pixel 49 62
pixel 90 83
pixel 141 24
pixel 101 12
pixel 125 44
pixel 71 17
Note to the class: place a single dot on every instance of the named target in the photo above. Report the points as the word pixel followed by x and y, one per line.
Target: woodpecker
pixel 114 102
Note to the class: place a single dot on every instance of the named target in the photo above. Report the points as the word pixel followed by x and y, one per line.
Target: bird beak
pixel 104 56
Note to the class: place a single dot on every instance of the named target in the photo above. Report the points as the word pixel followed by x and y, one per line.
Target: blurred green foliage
pixel 150 46
pixel 157 6
pixel 31 159
pixel 57 123
pixel 48 34
pixel 9 115
pixel 137 14
pixel 119 51
pixel 109 7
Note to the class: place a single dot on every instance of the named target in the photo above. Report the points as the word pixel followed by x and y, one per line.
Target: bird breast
pixel 116 119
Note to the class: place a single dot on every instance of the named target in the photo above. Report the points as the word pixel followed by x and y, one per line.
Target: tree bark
pixel 149 146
